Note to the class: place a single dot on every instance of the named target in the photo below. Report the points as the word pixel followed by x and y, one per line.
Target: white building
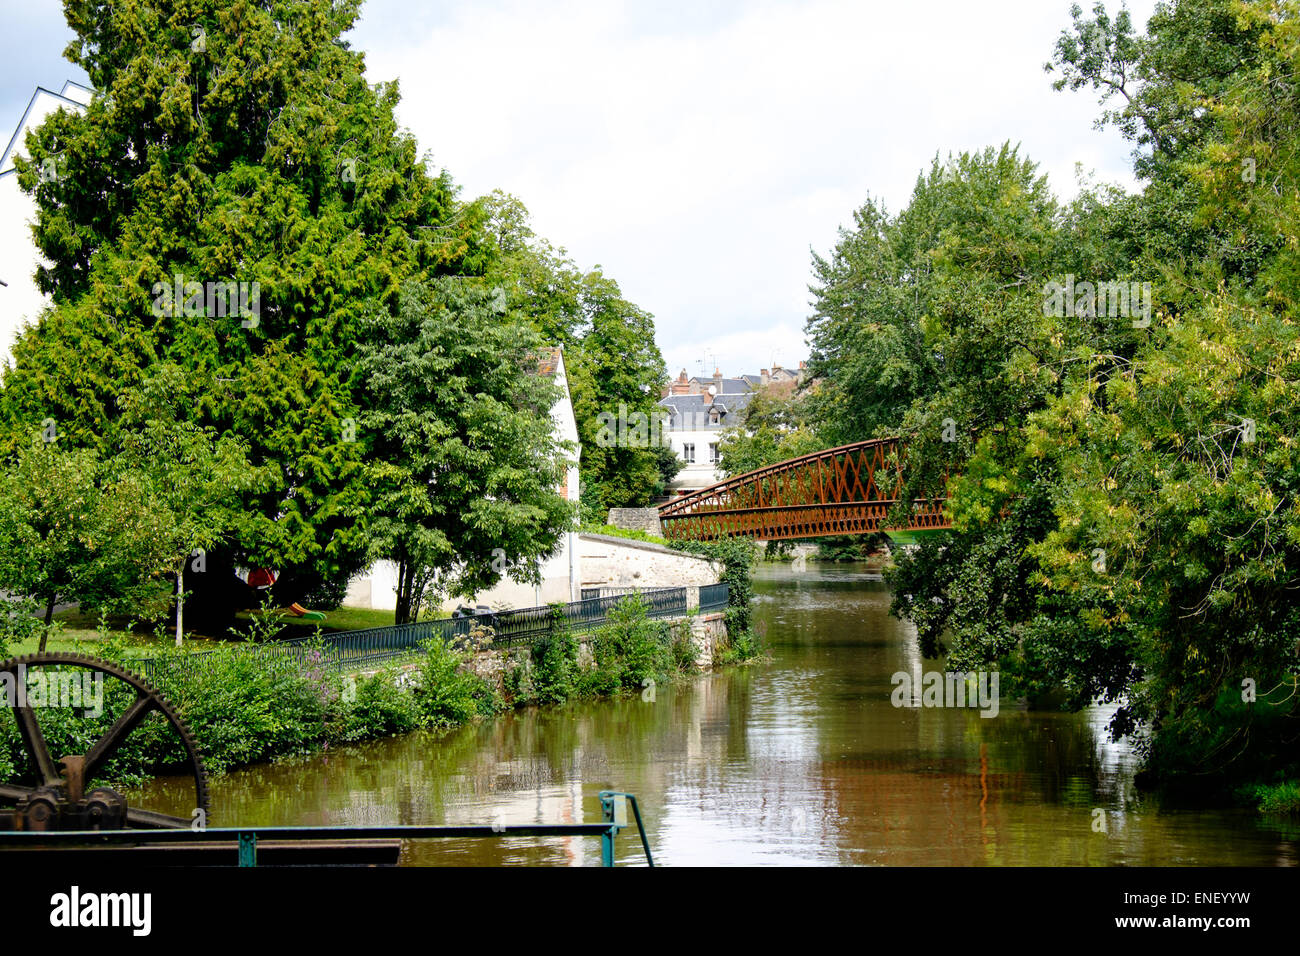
pixel 20 300
pixel 695 424
pixel 700 408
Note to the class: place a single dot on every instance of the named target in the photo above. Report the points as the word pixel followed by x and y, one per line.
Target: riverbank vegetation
pixel 1107 391
pixel 737 557
pixel 246 703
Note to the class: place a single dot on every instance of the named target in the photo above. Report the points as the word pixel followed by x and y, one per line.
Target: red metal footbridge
pixel 839 491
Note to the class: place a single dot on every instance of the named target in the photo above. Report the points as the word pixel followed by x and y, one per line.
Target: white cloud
pixel 699 154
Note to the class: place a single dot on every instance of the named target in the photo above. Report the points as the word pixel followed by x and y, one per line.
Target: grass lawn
pixel 80 631
pixel 73 642
pixel 340 619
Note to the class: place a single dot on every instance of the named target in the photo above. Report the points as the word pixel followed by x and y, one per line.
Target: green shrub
pixel 742 644
pixel 380 708
pixel 633 647
pixel 596 682
pixel 555 667
pixel 517 679
pixel 245 704
pixel 1279 798
pixel 737 557
pixel 446 693
pixel 634 534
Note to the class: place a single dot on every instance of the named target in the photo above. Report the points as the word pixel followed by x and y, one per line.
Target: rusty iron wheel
pixel 59 800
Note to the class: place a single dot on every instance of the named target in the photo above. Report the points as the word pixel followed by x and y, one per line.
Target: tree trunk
pixel 180 603
pixel 404 581
pixel 49 616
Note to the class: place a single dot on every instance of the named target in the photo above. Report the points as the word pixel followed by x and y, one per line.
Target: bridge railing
pixel 851 489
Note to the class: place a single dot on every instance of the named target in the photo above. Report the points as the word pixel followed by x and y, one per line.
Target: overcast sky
pixel 699 151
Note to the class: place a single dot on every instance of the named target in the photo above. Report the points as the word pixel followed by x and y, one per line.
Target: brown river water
pixel 803 760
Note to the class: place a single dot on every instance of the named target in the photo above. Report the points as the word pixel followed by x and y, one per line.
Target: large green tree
pixel 930 323
pixel 232 143
pixel 194 480
pixel 1134 536
pixel 466 468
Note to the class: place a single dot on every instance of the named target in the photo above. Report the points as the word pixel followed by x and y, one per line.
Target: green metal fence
pixel 714 597
pixel 376 645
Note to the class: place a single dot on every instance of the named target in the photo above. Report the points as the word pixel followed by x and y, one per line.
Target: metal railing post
pixel 607 847
pixel 613 806
pixel 248 849
pixel 607 838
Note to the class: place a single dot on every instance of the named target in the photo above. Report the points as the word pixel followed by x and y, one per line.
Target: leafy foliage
pixel 610 353
pixel 737 557
pixel 1121 493
pixel 464 463
pixel 773 427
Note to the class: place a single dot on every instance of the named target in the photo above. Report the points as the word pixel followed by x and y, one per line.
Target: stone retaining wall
pixel 626 562
pixel 708 634
pixel 637 519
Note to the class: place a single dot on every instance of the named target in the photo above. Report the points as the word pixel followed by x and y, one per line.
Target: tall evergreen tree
pixel 231 143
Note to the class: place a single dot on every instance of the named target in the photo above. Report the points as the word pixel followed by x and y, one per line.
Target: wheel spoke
pixel 29 729
pixel 153 820
pixel 113 738
pixel 12 794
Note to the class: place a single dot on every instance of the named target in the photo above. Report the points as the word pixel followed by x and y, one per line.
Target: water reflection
pixel 803 761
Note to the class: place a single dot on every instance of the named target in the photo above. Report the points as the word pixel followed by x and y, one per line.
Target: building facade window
pixel 713 452
pixel 688 452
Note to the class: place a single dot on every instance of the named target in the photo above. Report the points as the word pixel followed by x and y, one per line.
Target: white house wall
pixel 21 301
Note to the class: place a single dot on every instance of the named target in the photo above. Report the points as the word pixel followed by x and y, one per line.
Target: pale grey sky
pixel 698 151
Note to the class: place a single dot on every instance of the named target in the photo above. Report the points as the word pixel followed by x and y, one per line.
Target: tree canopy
pixel 237 203
pixel 1121 482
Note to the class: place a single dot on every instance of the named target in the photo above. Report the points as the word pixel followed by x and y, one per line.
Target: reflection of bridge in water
pixel 839 491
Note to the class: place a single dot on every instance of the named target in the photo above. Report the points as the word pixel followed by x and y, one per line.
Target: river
pixel 803 760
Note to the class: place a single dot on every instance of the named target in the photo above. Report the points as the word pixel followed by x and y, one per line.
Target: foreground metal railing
pixel 244 841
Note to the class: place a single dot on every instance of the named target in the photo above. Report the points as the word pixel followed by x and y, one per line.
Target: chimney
pixel 717 382
pixel 763 377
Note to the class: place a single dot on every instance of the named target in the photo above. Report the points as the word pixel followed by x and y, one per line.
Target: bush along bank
pixel 737 556
pixel 244 707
